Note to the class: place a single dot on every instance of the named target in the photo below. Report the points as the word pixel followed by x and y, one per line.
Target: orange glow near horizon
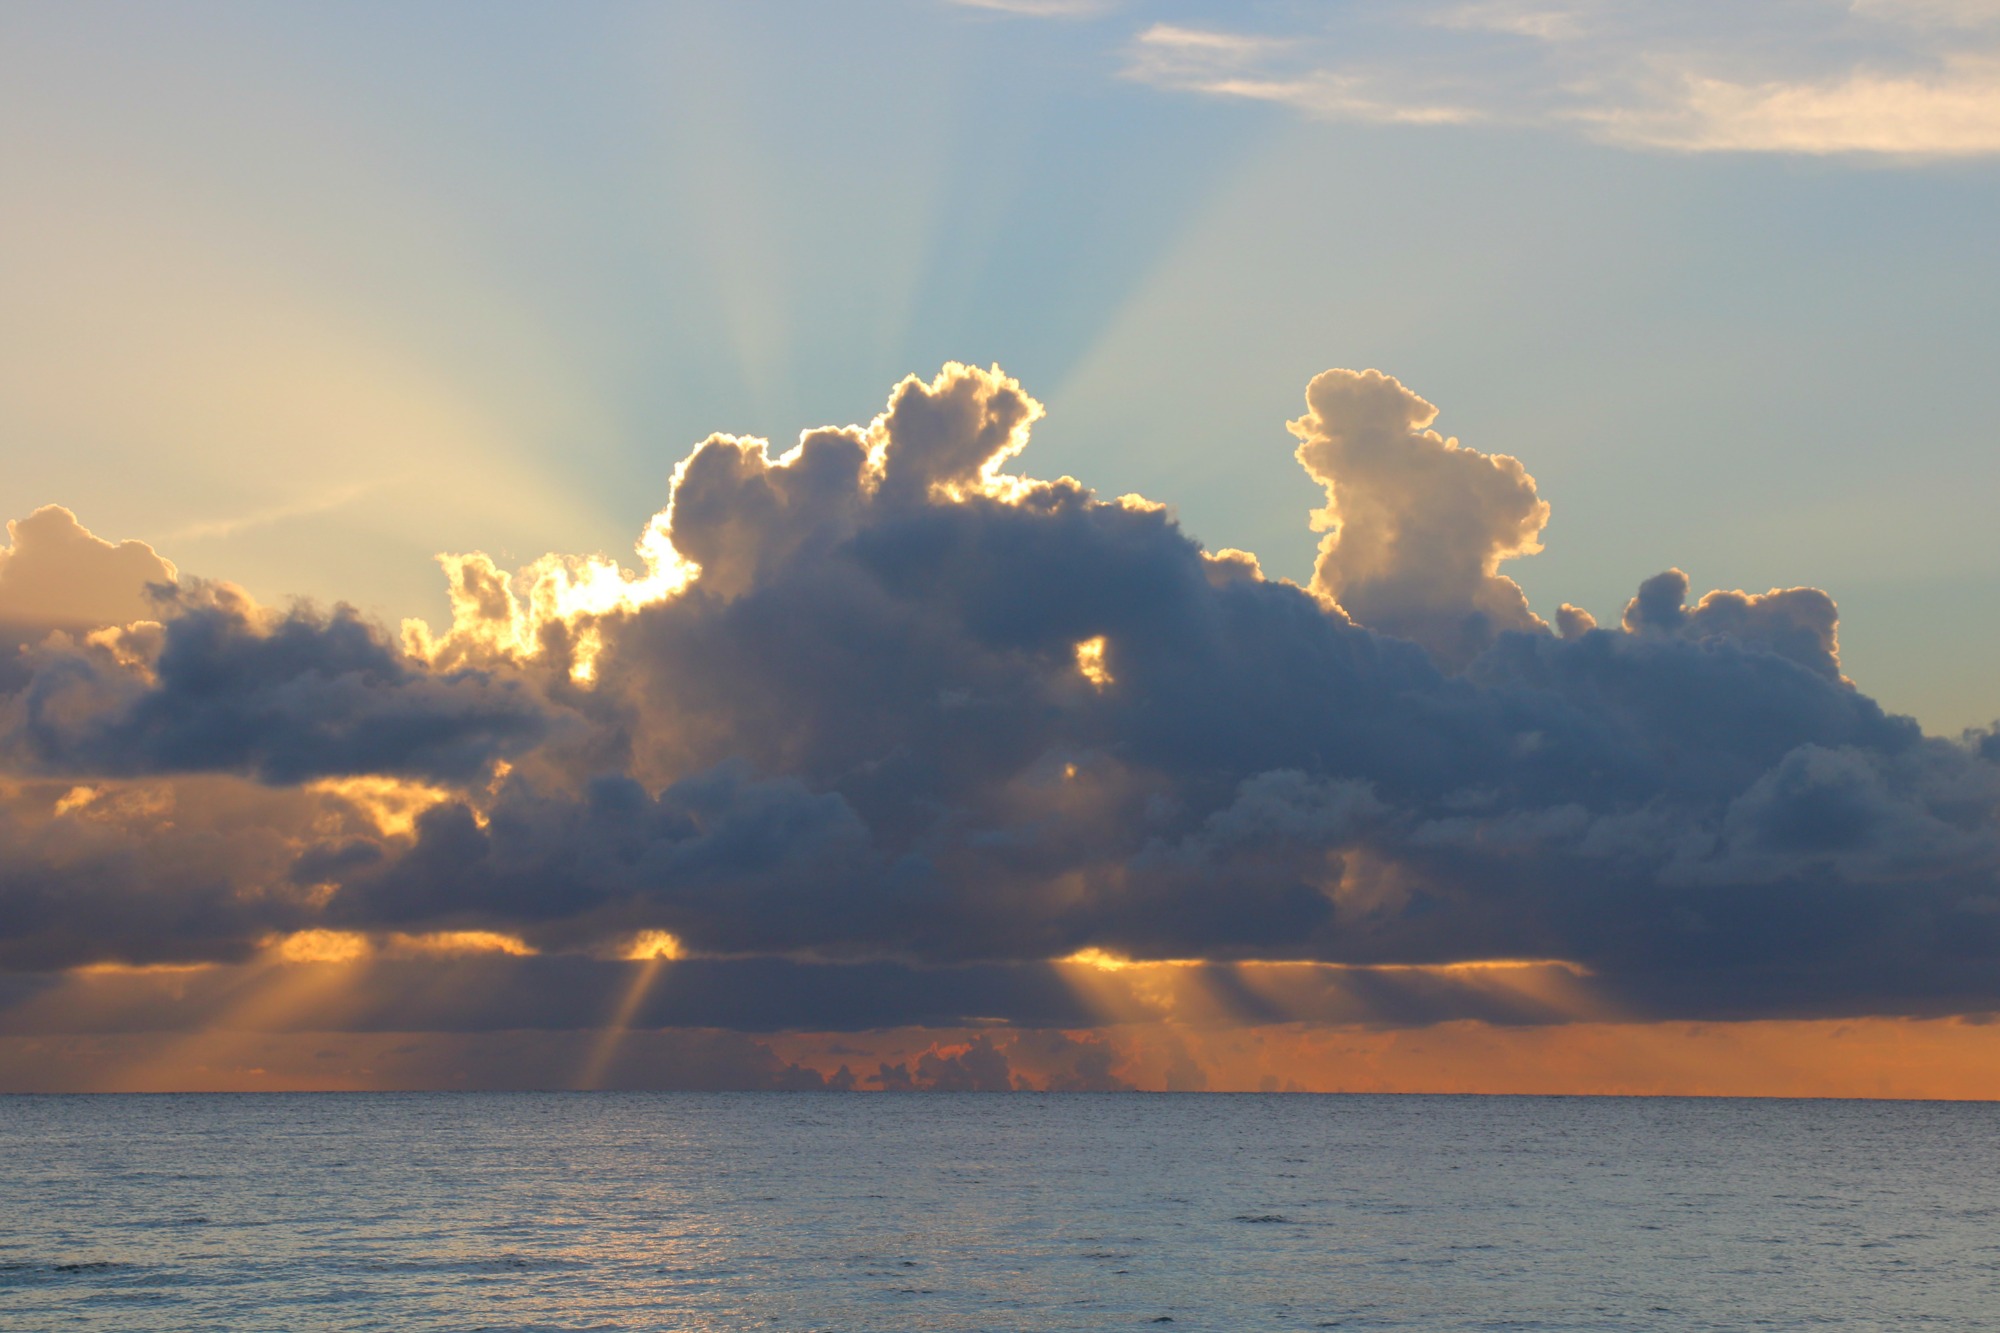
pixel 1938 1058
pixel 1255 1026
pixel 1923 1059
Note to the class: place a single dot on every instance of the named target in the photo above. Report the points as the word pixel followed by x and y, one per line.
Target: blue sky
pixel 302 296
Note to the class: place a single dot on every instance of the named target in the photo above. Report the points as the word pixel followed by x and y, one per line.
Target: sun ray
pixel 651 950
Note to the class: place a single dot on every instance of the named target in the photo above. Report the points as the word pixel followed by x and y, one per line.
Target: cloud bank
pixel 886 733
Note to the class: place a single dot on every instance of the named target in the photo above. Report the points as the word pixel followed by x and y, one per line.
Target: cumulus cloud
pixel 1903 78
pixel 56 572
pixel 224 685
pixel 58 576
pixel 1801 624
pixel 1416 524
pixel 883 731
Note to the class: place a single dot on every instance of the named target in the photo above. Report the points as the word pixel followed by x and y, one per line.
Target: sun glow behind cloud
pixel 461 835
pixel 497 614
pixel 1206 992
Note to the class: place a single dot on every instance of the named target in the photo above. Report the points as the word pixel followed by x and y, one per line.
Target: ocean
pixel 1013 1211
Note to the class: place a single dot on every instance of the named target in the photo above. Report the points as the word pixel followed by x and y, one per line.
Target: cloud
pixel 1952 111
pixel 1801 624
pixel 1265 69
pixel 1416 524
pixel 1888 78
pixel 229 527
pixel 885 731
pixel 224 685
pixel 1866 1058
pixel 1064 1064
pixel 56 572
pixel 156 871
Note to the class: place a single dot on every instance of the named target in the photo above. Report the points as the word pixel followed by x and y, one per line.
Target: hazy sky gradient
pixel 302 296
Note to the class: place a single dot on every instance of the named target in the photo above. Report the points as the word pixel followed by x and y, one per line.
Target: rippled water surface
pixel 824 1211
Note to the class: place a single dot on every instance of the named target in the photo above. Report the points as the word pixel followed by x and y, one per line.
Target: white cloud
pixel 1889 78
pixel 1956 114
pixel 1223 64
pixel 54 570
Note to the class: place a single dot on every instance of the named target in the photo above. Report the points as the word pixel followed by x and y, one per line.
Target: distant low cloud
pixel 884 731
pixel 1891 78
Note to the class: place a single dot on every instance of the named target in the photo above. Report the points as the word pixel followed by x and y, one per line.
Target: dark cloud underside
pixel 904 727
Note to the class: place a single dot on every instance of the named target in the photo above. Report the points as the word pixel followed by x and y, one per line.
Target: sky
pixel 1226 601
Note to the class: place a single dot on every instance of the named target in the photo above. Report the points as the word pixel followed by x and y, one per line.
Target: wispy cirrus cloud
pixel 218 528
pixel 1266 69
pixel 1888 78
pixel 1042 9
pixel 1955 113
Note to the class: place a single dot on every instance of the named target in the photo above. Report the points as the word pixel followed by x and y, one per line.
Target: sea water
pixel 1010 1211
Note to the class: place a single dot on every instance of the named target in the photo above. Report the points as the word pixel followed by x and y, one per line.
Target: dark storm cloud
pixel 914 712
pixel 221 686
pixel 148 872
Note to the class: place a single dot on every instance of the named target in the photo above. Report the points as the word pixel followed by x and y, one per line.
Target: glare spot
pixel 391 804
pixel 1106 961
pixel 76 798
pixel 1099 959
pixel 500 615
pixel 1090 661
pixel 450 943
pixel 652 944
pixel 321 946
